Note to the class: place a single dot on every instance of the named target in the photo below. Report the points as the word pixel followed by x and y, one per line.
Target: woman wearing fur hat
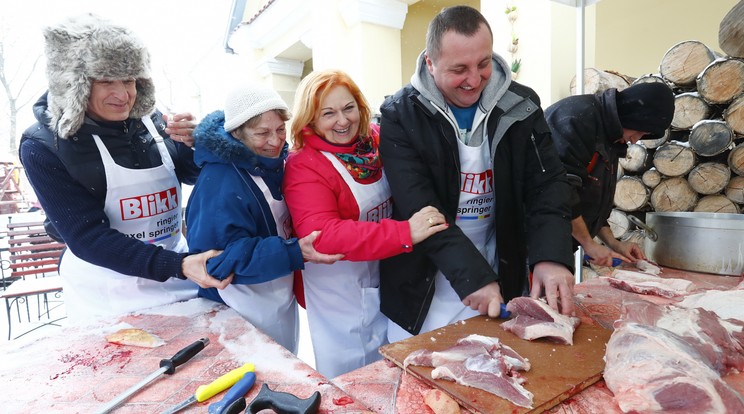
pixel 336 164
pixel 108 176
pixel 237 207
pixel 591 133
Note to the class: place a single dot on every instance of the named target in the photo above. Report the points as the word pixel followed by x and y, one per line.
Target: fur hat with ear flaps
pixel 84 48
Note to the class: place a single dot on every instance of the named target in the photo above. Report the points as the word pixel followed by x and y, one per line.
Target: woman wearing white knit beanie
pixel 237 206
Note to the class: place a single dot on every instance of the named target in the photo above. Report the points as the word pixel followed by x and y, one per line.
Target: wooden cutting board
pixel 557 373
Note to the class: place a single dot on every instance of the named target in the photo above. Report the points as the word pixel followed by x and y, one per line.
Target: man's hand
pixel 180 127
pixel 194 267
pixel 486 300
pixel 630 250
pixel 556 281
pixel 602 255
pixel 313 256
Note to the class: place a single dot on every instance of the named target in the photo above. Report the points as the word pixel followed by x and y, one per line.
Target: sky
pixel 185 39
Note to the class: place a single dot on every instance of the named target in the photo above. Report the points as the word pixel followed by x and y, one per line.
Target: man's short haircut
pixel 462 19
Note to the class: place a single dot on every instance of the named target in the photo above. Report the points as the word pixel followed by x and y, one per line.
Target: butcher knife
pixel 205 392
pixel 615 261
pixel 167 366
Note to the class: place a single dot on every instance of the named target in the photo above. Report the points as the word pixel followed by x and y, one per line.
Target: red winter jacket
pixel 318 198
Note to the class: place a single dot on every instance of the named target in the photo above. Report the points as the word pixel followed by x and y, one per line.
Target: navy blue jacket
pixel 227 211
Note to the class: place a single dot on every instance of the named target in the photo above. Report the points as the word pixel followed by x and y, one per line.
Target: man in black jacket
pixel 591 133
pixel 466 139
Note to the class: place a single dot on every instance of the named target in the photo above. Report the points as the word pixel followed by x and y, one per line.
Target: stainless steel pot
pixel 699 242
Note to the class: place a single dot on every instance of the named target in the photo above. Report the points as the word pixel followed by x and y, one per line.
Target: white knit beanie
pixel 87 47
pixel 247 101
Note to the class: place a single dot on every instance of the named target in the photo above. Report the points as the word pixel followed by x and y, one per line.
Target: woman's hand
pixel 313 256
pixel 426 222
pixel 194 267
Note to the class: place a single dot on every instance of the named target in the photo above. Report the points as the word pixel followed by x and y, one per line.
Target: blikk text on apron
pixel 144 204
pixel 270 306
pixel 475 218
pixel 343 299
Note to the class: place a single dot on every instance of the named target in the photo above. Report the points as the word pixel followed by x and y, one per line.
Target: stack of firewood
pixel 699 164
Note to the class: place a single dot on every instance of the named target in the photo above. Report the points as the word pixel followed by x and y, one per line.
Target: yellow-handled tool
pixel 205 392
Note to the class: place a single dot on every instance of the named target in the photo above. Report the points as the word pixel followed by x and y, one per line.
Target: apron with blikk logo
pixel 144 204
pixel 343 299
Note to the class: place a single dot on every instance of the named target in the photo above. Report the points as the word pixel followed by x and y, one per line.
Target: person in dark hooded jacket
pixel 237 206
pixel 591 133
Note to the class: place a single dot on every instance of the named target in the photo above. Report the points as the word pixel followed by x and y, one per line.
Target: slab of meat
pixel 533 319
pixel 652 370
pixel 488 374
pixel 702 329
pixel 481 362
pixel 647 267
pixel 647 284
pixel 727 304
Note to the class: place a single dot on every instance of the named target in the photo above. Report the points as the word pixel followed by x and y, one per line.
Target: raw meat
pixel 702 329
pixel 534 319
pixel 647 284
pixel 488 374
pixel 652 370
pixel 481 362
pixel 647 267
pixel 727 304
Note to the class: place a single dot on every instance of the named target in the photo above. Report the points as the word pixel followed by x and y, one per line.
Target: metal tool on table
pixel 205 392
pixel 284 403
pixel 230 403
pixel 167 366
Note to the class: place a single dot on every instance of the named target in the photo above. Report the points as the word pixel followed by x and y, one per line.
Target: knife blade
pixel 167 366
pixel 205 392
pixel 236 391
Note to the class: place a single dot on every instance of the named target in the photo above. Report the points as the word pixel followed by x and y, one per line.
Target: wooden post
pixel 630 194
pixel 673 194
pixel 673 159
pixel 710 137
pixel 735 190
pixel 721 81
pixel 651 178
pixel 731 31
pixel 736 159
pixel 689 109
pixel 619 223
pixel 684 61
pixel 636 159
pixel 734 115
pixel 709 177
pixel 716 203
pixel 596 80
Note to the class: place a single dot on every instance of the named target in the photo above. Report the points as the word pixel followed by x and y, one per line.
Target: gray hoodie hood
pixel 499 82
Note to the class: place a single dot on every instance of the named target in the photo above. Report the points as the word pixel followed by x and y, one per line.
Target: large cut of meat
pixel 533 319
pixel 488 374
pixel 481 362
pixel 652 370
pixel 727 304
pixel 647 284
pixel 715 340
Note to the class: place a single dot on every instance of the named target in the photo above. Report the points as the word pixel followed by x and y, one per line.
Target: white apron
pixel 270 306
pixel 146 205
pixel 343 299
pixel 475 219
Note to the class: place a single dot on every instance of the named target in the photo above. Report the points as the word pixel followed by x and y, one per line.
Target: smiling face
pixel 265 136
pixel 338 116
pixel 111 100
pixel 463 67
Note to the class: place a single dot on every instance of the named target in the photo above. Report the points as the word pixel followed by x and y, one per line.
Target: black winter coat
pixel 582 126
pixel 420 155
